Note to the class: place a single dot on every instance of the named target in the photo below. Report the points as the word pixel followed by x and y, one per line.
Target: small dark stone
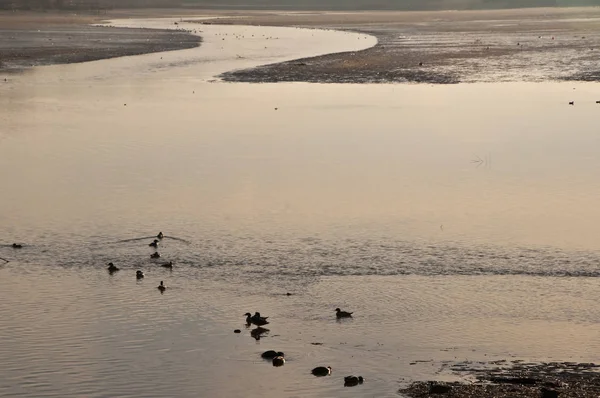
pixel 549 393
pixel 237 331
pixel 439 389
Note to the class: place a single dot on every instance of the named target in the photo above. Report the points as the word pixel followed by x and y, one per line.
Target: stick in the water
pixel 3 259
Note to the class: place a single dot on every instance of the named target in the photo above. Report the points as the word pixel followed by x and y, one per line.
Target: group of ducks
pixel 140 274
pixel 277 358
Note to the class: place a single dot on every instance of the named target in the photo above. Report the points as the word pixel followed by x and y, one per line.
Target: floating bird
pixel 351 381
pixel 272 354
pixel 112 268
pixel 571 102
pixel 17 246
pixel 154 244
pixel 155 255
pixel 160 235
pixel 139 274
pixel 256 320
pixel 322 371
pixel 278 361
pixel 343 314
pixel 162 287
pixel 167 265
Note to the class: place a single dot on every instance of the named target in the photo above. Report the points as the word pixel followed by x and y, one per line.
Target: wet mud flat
pixel 515 379
pixel 26 41
pixel 445 47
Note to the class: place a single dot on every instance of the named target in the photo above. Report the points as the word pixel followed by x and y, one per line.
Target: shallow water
pixel 458 222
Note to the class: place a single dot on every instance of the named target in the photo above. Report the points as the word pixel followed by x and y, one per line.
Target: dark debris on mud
pixel 515 379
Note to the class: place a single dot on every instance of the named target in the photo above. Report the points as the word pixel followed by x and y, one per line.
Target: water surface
pixel 458 222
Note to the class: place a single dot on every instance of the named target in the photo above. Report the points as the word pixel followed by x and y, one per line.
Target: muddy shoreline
pixel 33 39
pixel 515 379
pixel 444 48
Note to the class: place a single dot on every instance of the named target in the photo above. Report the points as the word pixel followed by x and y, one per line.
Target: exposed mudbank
pixel 514 379
pixel 453 48
pixel 24 48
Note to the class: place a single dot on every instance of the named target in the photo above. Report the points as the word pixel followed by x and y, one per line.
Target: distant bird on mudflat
pixel 139 274
pixel 571 102
pixel 155 255
pixel 278 361
pixel 343 314
pixel 154 244
pixel 162 287
pixel 160 235
pixel 17 246
pixel 167 265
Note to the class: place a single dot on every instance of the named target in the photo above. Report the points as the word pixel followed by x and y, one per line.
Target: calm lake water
pixel 457 222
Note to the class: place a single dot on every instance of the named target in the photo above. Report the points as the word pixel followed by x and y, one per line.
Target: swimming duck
pixel 112 268
pixel 168 265
pixel 271 354
pixel 278 361
pixel 154 244
pixel 139 274
pixel 160 235
pixel 155 255
pixel 322 371
pixel 260 319
pixel 17 246
pixel 351 381
pixel 343 314
pixel 253 319
pixel 162 287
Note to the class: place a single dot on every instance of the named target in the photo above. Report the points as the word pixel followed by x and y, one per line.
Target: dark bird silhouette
pixel 322 371
pixel 342 314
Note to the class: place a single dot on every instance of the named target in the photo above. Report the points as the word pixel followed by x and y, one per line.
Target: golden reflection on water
pixel 391 158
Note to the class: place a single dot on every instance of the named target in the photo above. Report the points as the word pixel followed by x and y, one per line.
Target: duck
pixel 112 268
pixel 162 287
pixel 139 274
pixel 155 255
pixel 278 361
pixel 17 246
pixel 351 381
pixel 154 244
pixel 343 314
pixel 272 354
pixel 160 235
pixel 322 371
pixel 167 265
pixel 258 321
